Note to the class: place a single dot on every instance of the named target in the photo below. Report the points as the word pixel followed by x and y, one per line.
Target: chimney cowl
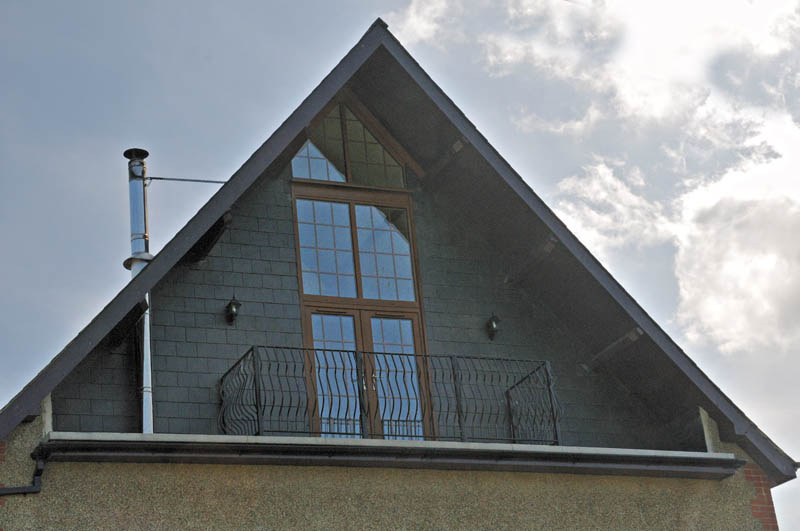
pixel 135 154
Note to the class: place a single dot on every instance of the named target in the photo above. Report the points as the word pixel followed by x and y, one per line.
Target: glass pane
pixel 307 235
pixel 313 151
pixel 316 326
pixel 370 287
pixel 332 327
pixel 347 286
pixel 300 168
pixel 383 241
pixel 391 331
pixel 344 262
pixel 308 259
pixel 329 285
pixel 385 253
pixel 368 266
pixel 405 290
pixel 336 375
pixel 385 265
pixel 363 216
pixel 388 289
pixel 341 214
pixel 326 248
pixel 325 236
pixel 370 162
pixel 327 261
pixel 327 136
pixel 305 211
pixel 310 283
pixel 322 212
pixel 342 238
pixel 397 384
pixel 365 242
pixel 310 163
pixel 402 266
pixel 318 169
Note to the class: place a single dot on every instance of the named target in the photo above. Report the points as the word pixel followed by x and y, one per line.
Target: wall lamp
pixel 232 310
pixel 492 326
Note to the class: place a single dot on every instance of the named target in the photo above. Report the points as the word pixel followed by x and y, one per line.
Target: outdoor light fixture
pixel 232 310
pixel 492 326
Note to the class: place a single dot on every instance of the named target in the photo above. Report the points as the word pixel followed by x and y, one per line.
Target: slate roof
pixel 127 302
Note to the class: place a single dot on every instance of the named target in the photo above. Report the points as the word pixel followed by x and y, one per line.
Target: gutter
pixel 314 451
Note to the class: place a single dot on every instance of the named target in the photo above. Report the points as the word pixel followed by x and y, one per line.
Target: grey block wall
pixel 100 394
pixel 463 282
pixel 193 345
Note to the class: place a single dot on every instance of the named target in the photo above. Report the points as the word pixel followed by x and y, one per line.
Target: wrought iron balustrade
pixel 337 393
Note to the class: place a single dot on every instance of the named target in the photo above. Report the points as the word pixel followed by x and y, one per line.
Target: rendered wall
pixel 159 496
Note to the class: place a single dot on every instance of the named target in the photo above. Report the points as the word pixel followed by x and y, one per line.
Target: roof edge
pixel 783 466
pixel 28 399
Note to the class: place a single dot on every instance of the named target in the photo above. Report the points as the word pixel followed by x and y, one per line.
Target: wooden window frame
pixel 360 308
pixel 354 195
pixel 347 98
pixel 362 323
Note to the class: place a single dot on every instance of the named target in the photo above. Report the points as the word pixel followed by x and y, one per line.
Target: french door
pixel 365 376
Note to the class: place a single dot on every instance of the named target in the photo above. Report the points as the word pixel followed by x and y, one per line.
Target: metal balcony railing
pixel 337 393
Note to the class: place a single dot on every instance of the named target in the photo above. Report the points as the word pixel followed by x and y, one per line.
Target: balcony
pixel 354 394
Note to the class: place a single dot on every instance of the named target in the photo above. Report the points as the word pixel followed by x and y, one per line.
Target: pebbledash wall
pixel 156 496
pixel 462 284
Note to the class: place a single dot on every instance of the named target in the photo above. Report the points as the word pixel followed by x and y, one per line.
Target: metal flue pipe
pixel 140 257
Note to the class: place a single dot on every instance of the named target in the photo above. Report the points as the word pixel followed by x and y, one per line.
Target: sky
pixel 664 134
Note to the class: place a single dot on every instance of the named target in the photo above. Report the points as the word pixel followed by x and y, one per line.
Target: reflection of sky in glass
pixel 396 376
pixel 310 163
pixel 336 375
pixel 326 250
pixel 384 254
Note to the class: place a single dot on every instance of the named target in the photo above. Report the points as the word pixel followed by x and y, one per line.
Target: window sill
pixel 227 449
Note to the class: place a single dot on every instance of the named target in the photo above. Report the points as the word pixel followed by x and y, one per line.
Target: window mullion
pixel 343 123
pixel 354 245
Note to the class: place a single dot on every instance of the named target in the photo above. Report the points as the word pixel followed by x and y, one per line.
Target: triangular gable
pixel 27 402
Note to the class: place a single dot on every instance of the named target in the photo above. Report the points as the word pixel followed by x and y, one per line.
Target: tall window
pixel 358 280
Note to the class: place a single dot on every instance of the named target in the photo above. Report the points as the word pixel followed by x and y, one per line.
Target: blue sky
pixel 664 134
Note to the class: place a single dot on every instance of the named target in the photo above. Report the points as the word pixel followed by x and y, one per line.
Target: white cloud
pixel 605 213
pixel 561 40
pixel 530 121
pixel 738 268
pixel 737 261
pixel 422 20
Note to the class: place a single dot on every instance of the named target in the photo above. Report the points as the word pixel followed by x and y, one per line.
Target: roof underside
pixel 552 263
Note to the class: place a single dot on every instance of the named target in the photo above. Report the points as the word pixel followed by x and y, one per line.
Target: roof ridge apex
pixel 380 22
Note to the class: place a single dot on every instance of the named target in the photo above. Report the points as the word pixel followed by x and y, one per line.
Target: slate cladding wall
pixel 463 282
pixel 462 285
pixel 193 345
pixel 100 394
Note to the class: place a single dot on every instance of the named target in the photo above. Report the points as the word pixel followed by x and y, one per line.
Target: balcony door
pixel 363 374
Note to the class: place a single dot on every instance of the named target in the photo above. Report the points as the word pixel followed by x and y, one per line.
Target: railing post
pixel 510 417
pixel 552 400
pixel 457 389
pixel 366 427
pixel 257 385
